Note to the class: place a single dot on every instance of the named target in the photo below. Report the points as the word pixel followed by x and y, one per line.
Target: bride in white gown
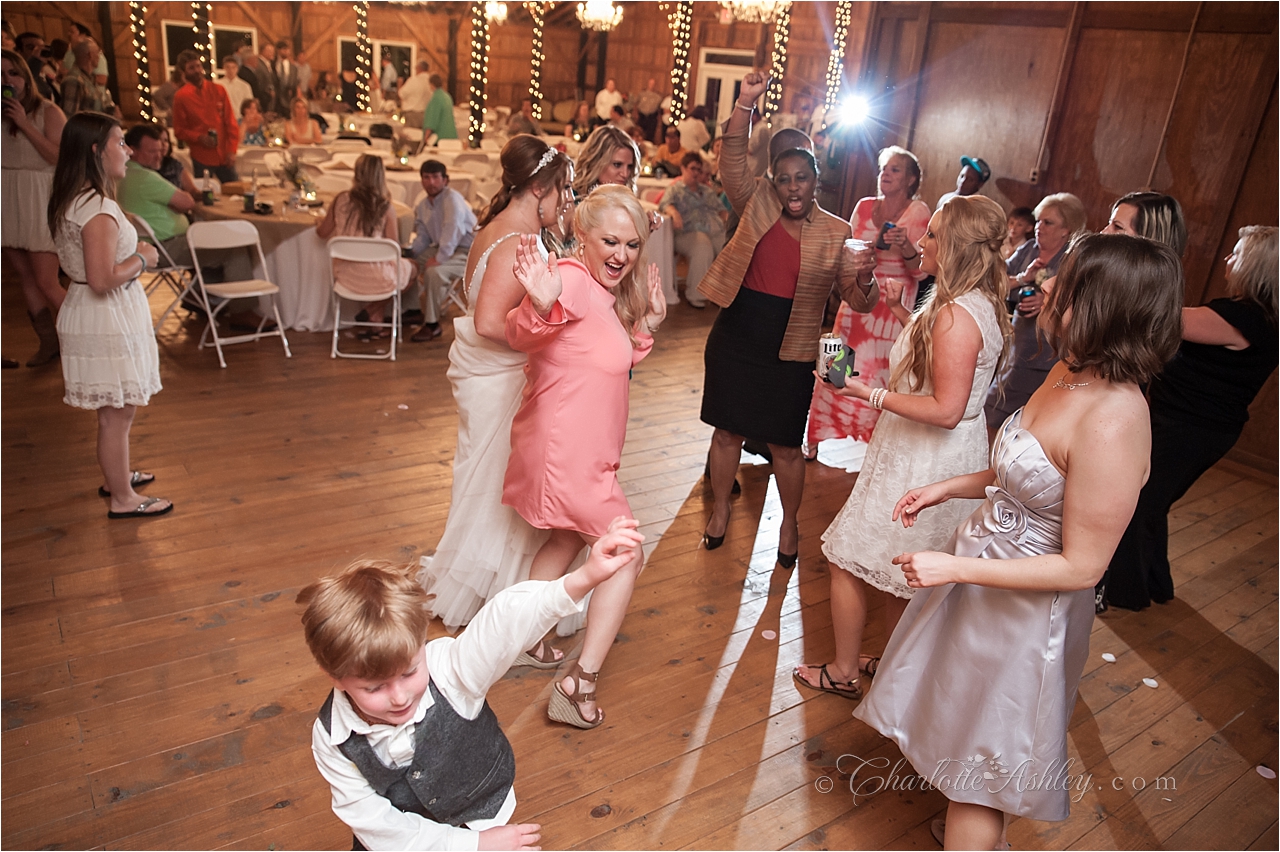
pixel 486 546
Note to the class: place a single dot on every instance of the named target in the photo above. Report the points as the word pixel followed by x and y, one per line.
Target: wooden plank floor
pixel 157 692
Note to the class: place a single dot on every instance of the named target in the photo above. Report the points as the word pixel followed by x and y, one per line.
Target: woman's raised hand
pixel 927 568
pixel 657 299
pixel 541 280
pixel 918 499
pixel 891 290
pixel 753 86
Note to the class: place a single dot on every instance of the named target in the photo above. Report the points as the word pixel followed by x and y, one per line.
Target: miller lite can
pixel 829 346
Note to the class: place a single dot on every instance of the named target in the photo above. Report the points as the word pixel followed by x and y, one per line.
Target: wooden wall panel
pixel 1117 97
pixel 985 92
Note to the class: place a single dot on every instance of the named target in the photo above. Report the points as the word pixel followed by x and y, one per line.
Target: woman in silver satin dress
pixel 979 680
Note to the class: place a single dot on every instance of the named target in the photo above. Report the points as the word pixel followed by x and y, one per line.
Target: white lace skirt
pixel 24 195
pixel 109 355
pixel 863 539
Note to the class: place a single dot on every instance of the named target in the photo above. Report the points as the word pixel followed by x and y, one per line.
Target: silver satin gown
pixel 977 685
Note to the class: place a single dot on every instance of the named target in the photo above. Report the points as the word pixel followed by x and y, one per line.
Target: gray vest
pixel 461 768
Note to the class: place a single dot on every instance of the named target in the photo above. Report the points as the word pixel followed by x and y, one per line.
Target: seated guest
pixel 579 127
pixel 670 154
pixel 1022 224
pixel 647 149
pixel 252 124
pixel 145 193
pixel 974 173
pixel 523 121
pixel 174 170
pixel 348 90
pixel 444 227
pixel 694 135
pixel 322 94
pixel 301 128
pixel 618 118
pixel 698 216
pixel 438 118
pixel 365 210
pixel 238 91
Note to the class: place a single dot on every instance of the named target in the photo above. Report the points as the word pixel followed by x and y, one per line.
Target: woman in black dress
pixel 772 280
pixel 1199 406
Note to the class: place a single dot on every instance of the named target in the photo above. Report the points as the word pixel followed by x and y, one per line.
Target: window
pixel 403 56
pixel 178 36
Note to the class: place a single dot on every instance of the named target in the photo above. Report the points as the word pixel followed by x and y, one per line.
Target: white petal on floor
pixel 769 634
pixel 402 407
pixel 1146 681
pixel 1108 657
pixel 1267 772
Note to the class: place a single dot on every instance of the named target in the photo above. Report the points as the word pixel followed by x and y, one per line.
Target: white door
pixel 720 73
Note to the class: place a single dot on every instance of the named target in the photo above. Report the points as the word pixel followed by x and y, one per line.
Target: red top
pixel 775 265
pixel 195 112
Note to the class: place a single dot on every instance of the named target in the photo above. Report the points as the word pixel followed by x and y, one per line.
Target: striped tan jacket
pixel 822 263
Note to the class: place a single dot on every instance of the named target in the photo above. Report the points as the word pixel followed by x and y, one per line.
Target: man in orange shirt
pixel 204 119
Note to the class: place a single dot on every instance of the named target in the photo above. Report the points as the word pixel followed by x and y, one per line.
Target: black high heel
pixel 711 542
pixel 788 560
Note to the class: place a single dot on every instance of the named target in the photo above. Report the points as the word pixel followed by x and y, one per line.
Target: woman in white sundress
pixel 486 546
pixel 110 363
pixel 931 428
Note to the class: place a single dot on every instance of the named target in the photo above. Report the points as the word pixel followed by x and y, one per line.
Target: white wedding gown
pixel 486 546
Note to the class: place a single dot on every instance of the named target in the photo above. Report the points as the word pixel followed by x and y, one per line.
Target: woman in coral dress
pixel 585 322
pixel 871 334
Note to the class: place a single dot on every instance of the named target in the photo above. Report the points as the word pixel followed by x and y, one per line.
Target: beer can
pixel 829 346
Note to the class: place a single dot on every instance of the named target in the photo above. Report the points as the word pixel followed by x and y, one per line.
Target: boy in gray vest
pixel 413 753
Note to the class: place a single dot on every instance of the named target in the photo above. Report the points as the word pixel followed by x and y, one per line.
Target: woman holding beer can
pixel 772 280
pixel 931 426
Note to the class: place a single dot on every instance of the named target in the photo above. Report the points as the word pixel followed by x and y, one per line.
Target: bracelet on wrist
pixel 139 256
pixel 746 108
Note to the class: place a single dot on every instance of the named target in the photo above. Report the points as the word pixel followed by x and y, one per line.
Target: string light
pixel 137 26
pixel 778 67
pixel 479 73
pixel 202 20
pixel 680 21
pixel 835 64
pixel 364 56
pixel 537 11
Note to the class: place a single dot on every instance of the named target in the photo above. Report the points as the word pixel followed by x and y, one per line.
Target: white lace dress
pixel 486 546
pixel 109 355
pixel 902 455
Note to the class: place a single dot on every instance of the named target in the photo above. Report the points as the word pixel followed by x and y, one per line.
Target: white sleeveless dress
pixel 486 546
pixel 904 454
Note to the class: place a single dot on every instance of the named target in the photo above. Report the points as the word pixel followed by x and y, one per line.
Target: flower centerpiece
pixel 296 175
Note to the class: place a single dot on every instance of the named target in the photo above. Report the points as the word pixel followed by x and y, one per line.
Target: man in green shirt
pixel 438 117
pixel 146 194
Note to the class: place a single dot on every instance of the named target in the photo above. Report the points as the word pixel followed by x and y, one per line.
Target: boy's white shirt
pixel 463 669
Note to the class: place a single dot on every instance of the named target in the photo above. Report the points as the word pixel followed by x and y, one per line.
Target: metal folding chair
pixel 180 279
pixel 364 250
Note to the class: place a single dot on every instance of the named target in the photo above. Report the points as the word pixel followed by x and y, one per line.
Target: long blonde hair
pixel 631 296
pixel 369 196
pixel 971 230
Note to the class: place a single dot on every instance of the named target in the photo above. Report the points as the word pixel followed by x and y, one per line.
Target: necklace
pixel 1065 385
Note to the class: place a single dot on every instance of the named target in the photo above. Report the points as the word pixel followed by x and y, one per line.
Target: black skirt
pixel 748 390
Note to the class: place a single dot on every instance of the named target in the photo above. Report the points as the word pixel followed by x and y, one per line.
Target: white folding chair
pixel 449 144
pixel 311 153
pixel 475 162
pixel 364 250
pixel 396 190
pixel 231 234
pixel 331 183
pixel 490 145
pixel 180 279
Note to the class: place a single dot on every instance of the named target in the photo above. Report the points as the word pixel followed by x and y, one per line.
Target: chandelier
pixel 756 11
pixel 496 13
pixel 600 15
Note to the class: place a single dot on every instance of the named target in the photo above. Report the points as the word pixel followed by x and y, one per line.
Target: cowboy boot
pixel 47 331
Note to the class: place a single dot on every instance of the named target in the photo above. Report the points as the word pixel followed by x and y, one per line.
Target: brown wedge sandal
pixel 568 708
pixel 540 656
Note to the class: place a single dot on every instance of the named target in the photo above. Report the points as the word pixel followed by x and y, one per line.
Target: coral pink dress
pixel 566 439
pixel 871 335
